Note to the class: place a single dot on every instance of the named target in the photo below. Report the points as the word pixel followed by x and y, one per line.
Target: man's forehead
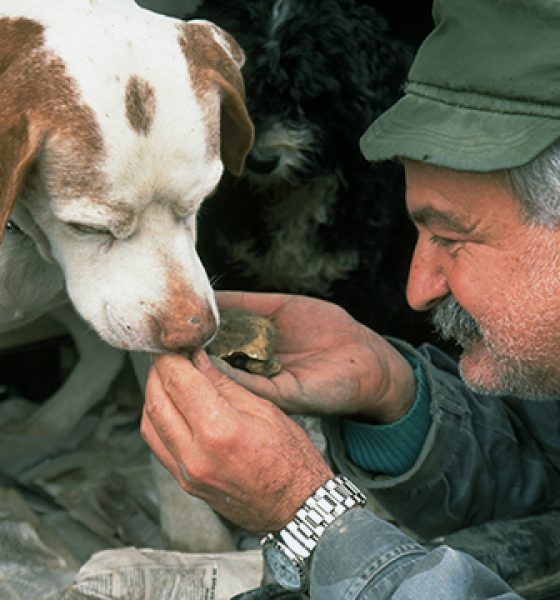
pixel 455 199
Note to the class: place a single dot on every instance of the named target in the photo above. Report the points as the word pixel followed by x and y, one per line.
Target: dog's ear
pixel 215 58
pixel 19 140
pixel 236 128
pixel 19 143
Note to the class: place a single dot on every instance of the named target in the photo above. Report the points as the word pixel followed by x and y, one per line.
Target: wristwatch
pixel 288 553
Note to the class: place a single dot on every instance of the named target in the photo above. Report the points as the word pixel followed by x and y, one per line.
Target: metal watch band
pixel 334 498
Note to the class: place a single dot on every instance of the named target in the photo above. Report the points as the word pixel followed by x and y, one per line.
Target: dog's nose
pixel 262 166
pixel 186 334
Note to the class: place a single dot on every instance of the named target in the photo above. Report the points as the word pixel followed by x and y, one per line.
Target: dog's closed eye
pixel 88 229
pixel 12 227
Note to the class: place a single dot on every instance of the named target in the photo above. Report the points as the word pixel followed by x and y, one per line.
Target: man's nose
pixel 427 284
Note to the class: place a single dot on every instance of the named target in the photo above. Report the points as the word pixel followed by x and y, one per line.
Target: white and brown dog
pixel 115 124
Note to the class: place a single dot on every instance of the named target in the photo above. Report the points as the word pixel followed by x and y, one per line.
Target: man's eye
pixel 88 229
pixel 443 242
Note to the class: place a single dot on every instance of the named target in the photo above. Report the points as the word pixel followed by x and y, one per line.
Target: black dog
pixel 310 215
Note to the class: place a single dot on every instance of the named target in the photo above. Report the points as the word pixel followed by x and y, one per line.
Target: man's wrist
pixel 406 395
pixel 391 448
pixel 288 553
pixel 399 397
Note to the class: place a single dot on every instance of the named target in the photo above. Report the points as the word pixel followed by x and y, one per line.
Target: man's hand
pixel 331 363
pixel 223 444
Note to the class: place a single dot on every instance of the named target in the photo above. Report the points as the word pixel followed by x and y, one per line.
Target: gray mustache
pixel 452 322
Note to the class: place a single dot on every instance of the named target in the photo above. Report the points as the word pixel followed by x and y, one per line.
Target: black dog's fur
pixel 310 215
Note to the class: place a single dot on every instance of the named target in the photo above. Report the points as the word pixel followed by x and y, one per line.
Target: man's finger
pixel 243 392
pixel 193 395
pixel 158 403
pixel 161 452
pixel 262 386
pixel 173 425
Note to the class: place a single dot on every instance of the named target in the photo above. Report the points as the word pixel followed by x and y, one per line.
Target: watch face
pixel 284 571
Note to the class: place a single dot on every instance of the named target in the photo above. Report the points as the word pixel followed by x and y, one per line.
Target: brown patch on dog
pixel 212 69
pixel 17 149
pixel 140 102
pixel 186 322
pixel 40 104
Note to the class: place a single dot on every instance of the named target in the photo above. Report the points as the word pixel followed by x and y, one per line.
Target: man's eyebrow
pixel 431 217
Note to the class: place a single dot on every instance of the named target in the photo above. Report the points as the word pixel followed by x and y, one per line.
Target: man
pixel 476 132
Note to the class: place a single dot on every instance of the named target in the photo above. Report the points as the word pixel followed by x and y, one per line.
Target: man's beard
pixel 453 322
pixel 511 374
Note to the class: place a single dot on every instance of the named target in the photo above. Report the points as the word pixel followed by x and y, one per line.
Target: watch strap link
pixel 331 500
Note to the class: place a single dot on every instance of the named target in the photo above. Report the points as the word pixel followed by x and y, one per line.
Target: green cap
pixel 483 92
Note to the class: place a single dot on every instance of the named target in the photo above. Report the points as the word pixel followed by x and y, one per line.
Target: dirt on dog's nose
pixel 186 332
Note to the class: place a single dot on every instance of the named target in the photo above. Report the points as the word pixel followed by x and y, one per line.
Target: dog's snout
pixel 186 335
pixel 262 165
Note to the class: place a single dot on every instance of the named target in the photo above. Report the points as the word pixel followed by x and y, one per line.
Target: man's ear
pixel 215 59
pixel 19 143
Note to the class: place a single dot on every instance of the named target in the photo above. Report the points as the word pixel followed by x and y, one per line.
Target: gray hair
pixel 537 187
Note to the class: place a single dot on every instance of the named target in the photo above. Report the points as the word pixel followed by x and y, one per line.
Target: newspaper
pixel 144 574
pixel 37 563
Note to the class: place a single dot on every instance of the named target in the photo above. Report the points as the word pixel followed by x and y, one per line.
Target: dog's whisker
pixel 215 279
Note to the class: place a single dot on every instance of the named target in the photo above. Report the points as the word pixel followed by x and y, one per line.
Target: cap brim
pixel 455 137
